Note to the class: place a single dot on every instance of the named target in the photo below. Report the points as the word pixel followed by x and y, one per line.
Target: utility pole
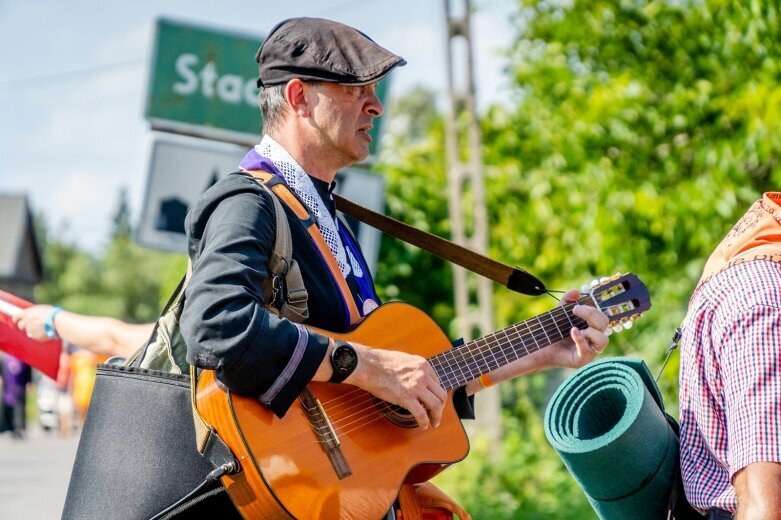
pixel 466 196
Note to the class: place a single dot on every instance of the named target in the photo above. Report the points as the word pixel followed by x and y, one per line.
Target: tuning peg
pixel 627 324
pixel 594 283
pixel 604 279
pixel 618 328
pixel 584 289
pixel 615 277
pixel 608 331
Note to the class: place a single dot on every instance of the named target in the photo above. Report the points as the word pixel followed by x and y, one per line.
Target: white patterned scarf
pixel 301 184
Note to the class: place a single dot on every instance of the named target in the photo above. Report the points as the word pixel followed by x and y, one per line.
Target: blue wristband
pixel 48 325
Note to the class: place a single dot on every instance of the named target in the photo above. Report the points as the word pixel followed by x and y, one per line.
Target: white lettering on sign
pixel 208 76
pixel 229 88
pixel 183 64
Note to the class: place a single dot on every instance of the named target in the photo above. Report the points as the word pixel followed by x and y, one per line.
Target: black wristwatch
pixel 344 360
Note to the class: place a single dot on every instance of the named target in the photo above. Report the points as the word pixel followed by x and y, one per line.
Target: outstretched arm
pixel 99 334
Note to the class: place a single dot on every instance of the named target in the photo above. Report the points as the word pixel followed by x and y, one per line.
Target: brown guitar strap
pixel 514 278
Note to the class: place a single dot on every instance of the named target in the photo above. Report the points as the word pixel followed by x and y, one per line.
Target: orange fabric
pixel 756 236
pixel 428 514
pixel 425 501
pixel 408 502
pixel 286 196
pixel 83 366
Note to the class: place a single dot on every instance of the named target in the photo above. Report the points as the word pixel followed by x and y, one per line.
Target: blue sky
pixel 73 77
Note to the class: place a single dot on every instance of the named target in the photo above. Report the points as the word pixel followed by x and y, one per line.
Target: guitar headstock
pixel 623 299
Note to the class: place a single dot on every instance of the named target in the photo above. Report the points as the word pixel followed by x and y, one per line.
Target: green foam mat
pixel 608 425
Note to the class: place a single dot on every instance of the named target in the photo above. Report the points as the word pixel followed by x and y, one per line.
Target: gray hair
pixel 272 104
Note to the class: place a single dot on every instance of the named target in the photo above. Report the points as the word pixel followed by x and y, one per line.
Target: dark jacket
pixel 231 231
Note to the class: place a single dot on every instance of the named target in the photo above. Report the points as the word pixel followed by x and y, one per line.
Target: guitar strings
pixel 477 351
pixel 476 348
pixel 478 356
pixel 485 346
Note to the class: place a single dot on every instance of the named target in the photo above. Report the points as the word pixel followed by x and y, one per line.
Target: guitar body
pixel 286 470
pixel 340 453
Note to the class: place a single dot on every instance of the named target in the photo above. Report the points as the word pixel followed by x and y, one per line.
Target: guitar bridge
pixel 324 430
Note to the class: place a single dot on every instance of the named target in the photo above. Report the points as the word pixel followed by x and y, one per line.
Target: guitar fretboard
pixel 457 366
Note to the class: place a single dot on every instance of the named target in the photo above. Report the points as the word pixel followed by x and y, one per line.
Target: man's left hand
pixel 582 346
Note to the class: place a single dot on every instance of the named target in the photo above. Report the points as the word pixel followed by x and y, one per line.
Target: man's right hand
pixel 31 321
pixel 402 379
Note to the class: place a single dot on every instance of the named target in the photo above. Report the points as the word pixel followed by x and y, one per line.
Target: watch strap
pixel 48 325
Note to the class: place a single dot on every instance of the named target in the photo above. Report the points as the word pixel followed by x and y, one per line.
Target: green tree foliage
pixel 638 134
pixel 642 131
pixel 416 193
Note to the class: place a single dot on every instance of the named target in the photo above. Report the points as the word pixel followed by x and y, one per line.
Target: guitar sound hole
pixel 395 414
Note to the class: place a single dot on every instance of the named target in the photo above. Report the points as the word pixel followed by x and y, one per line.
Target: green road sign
pixel 202 83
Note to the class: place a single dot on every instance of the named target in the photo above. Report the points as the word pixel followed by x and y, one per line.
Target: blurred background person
pixel 83 368
pixel 55 404
pixel 17 376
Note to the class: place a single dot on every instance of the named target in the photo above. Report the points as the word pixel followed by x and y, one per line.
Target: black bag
pixel 137 452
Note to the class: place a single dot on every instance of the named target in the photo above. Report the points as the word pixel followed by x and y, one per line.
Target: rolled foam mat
pixel 608 425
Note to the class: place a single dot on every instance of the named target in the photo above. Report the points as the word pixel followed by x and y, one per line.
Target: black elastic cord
pixel 214 475
pixel 550 292
pixel 672 345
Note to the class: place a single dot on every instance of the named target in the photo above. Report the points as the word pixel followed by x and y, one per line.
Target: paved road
pixel 34 475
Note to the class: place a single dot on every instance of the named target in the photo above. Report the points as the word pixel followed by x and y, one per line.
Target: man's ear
pixel 295 93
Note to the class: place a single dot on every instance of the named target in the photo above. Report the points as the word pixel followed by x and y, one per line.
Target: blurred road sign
pixel 367 189
pixel 179 173
pixel 203 83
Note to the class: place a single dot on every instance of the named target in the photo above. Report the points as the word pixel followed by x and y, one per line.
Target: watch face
pixel 345 359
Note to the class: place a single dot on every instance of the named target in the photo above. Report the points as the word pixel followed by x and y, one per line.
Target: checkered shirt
pixel 730 381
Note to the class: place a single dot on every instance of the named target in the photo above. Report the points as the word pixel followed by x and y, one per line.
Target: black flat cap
pixel 322 50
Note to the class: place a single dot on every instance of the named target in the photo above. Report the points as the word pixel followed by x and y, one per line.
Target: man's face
pixel 343 116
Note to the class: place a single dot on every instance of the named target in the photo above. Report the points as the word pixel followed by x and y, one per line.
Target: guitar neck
pixel 457 366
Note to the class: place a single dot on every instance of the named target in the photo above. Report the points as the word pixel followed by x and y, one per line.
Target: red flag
pixel 43 355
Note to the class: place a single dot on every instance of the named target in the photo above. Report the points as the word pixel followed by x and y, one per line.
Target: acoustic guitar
pixel 339 452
